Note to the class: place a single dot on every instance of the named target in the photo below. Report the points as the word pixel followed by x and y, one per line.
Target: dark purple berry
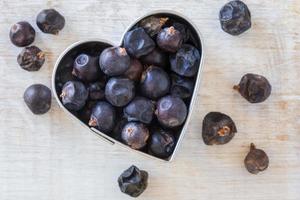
pixel 157 58
pixel 31 58
pixel 181 87
pixel 185 32
pixel 38 98
pixel 114 61
pixel 169 39
pixel 140 109
pixel 161 143
pixel 103 117
pixel 186 61
pixel 133 181
pixel 117 131
pixel 254 88
pixel 86 68
pixel 135 70
pixel 74 95
pixel 135 135
pixel 85 113
pixel 171 111
pixel 119 91
pixel 217 128
pixel 22 34
pixel 50 21
pixel 256 160
pixel 97 90
pixel 152 25
pixel 155 83
pixel 138 43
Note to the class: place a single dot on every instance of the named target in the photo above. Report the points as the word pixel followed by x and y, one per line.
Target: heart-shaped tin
pixel 64 63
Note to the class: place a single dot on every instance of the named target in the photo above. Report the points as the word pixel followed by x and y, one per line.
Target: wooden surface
pixel 51 157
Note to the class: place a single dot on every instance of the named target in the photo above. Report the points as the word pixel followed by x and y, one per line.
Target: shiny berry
pixel 50 21
pixel 86 68
pixel 169 39
pixel 135 135
pixel 22 34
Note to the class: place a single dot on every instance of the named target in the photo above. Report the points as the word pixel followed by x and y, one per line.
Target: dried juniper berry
pixel 114 61
pixel 117 131
pixel 85 113
pixel 133 181
pixel 140 109
pixel 185 32
pixel 38 98
pixel 135 135
pixel 152 25
pixel 50 21
pixel 155 83
pixel 138 43
pixel 103 117
pixel 74 95
pixel 96 90
pixel 135 70
pixel 235 17
pixel 86 68
pixel 31 58
pixel 161 143
pixel 171 111
pixel 22 34
pixel 181 87
pixel 169 39
pixel 256 160
pixel 186 61
pixel 217 128
pixel 254 88
pixel 157 58
pixel 119 91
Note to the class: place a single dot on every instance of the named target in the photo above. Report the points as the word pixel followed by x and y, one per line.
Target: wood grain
pixel 50 157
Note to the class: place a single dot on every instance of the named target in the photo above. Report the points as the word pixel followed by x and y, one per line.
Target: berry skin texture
pixel 138 43
pixel 114 61
pixel 256 160
pixel 74 95
pixel 152 25
pixel 135 135
pixel 155 83
pixel 133 181
pixel 171 111
pixel 169 39
pixel 22 34
pixel 119 91
pixel 31 58
pixel 235 17
pixel 86 68
pixel 103 117
pixel 181 87
pixel 157 58
pixel 254 88
pixel 50 21
pixel 217 128
pixel 186 61
pixel 38 98
pixel 140 109
pixel 135 70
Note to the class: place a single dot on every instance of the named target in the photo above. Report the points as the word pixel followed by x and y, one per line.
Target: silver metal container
pixel 62 63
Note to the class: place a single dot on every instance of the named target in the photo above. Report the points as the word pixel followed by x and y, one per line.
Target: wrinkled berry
pixel 135 70
pixel 152 25
pixel 133 181
pixel 138 43
pixel 114 61
pixel 171 111
pixel 155 83
pixel 256 160
pixel 103 117
pixel 22 34
pixel 50 21
pixel 119 91
pixel 97 90
pixel 217 128
pixel 161 143
pixel 181 87
pixel 185 32
pixel 169 39
pixel 135 135
pixel 157 58
pixel 86 68
pixel 31 58
pixel 186 61
pixel 140 109
pixel 38 98
pixel 235 17
pixel 74 95
pixel 254 88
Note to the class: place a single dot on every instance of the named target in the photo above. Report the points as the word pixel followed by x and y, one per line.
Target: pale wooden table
pixel 51 157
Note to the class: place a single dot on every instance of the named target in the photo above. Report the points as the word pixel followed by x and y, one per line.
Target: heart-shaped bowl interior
pixel 63 72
